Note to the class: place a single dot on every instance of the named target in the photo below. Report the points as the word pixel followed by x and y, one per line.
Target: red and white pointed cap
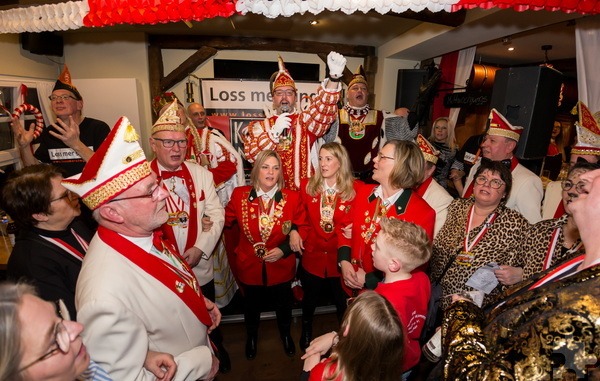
pixel 282 77
pixel 588 132
pixel 499 126
pixel 429 152
pixel 117 165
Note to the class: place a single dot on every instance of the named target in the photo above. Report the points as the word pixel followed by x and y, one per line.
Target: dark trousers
pixel 208 290
pixel 314 287
pixel 255 300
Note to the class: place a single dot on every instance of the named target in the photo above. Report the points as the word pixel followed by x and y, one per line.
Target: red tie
pixel 157 240
pixel 168 174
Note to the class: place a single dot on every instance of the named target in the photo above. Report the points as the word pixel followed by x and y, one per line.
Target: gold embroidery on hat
pixel 136 155
pixel 130 134
pixel 109 189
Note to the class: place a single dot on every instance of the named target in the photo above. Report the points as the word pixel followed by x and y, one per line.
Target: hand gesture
pixel 273 255
pixel 296 243
pixel 160 364
pixel 192 256
pixel 283 121
pixel 336 63
pixel 214 312
pixel 68 133
pixel 24 137
pixel 349 276
pixel 509 275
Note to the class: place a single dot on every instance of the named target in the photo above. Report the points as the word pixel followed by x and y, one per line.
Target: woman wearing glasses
pixel 52 243
pixel 398 168
pixel 38 341
pixel 556 240
pixel 481 230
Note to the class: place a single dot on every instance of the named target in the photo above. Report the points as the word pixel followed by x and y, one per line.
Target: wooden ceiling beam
pixel 188 66
pixel 262 44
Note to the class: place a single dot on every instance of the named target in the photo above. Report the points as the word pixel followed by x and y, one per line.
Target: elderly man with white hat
pixel 587 149
pixel 135 293
pixel 499 145
pixel 430 190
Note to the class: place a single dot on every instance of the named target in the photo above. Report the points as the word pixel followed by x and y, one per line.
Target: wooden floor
pixel 271 363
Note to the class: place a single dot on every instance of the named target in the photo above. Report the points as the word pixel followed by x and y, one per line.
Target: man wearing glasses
pixel 69 142
pixel 192 196
pixel 290 132
pixel 498 145
pixel 135 292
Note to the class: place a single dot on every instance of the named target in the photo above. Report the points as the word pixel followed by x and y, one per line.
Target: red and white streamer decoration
pixel 39 118
pixel 99 13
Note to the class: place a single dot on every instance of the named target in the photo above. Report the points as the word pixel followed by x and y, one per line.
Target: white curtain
pixel 587 51
pixel 463 71
pixel 44 90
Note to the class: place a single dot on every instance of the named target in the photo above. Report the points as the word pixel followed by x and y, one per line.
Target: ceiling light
pixel 313 22
pixel 511 48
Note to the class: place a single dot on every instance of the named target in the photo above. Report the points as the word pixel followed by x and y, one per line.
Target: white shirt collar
pixel 390 200
pixel 270 194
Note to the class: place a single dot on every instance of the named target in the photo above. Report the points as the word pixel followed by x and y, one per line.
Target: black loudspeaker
pixel 44 43
pixel 528 97
pixel 407 89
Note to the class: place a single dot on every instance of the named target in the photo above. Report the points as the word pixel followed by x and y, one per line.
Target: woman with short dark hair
pixel 52 242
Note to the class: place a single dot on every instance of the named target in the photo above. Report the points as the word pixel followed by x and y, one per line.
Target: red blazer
pixel 409 207
pixel 320 247
pixel 243 208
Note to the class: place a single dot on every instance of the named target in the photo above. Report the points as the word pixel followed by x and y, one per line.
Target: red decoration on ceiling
pixel 114 12
pixel 567 6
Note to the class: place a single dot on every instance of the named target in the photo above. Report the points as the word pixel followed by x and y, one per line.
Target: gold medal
pixel 183 218
pixel 357 129
pixel 265 220
pixel 286 227
pixel 260 249
pixel 465 258
pixel 173 220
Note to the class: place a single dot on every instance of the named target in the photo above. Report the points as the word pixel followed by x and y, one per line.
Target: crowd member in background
pixel 587 150
pixel 293 132
pixel 481 230
pixel 499 145
pixel 192 195
pixel 399 250
pixel 553 241
pixel 53 242
pixel 399 167
pixel 211 150
pixel 466 157
pixel 69 142
pixel 327 197
pixel 442 138
pixel 266 212
pixel 363 131
pixel 429 189
pixel 547 327
pixel 369 346
pixel 556 151
pixel 135 293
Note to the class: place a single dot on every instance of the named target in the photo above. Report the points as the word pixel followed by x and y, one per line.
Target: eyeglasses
pixel 567 185
pixel 169 143
pixel 494 183
pixel 68 194
pixel 62 340
pixel 61 97
pixel 148 195
pixel 382 156
pixel 280 93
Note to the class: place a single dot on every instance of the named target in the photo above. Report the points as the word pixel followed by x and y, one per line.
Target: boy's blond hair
pixel 405 242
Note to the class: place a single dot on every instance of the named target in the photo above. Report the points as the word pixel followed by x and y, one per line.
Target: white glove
pixel 336 64
pixel 283 121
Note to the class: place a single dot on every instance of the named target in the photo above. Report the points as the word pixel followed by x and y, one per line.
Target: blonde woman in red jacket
pixel 265 265
pixel 327 197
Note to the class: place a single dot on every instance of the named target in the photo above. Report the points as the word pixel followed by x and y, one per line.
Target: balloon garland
pixel 39 119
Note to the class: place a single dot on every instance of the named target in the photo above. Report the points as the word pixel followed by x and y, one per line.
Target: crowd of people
pixel 372 226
